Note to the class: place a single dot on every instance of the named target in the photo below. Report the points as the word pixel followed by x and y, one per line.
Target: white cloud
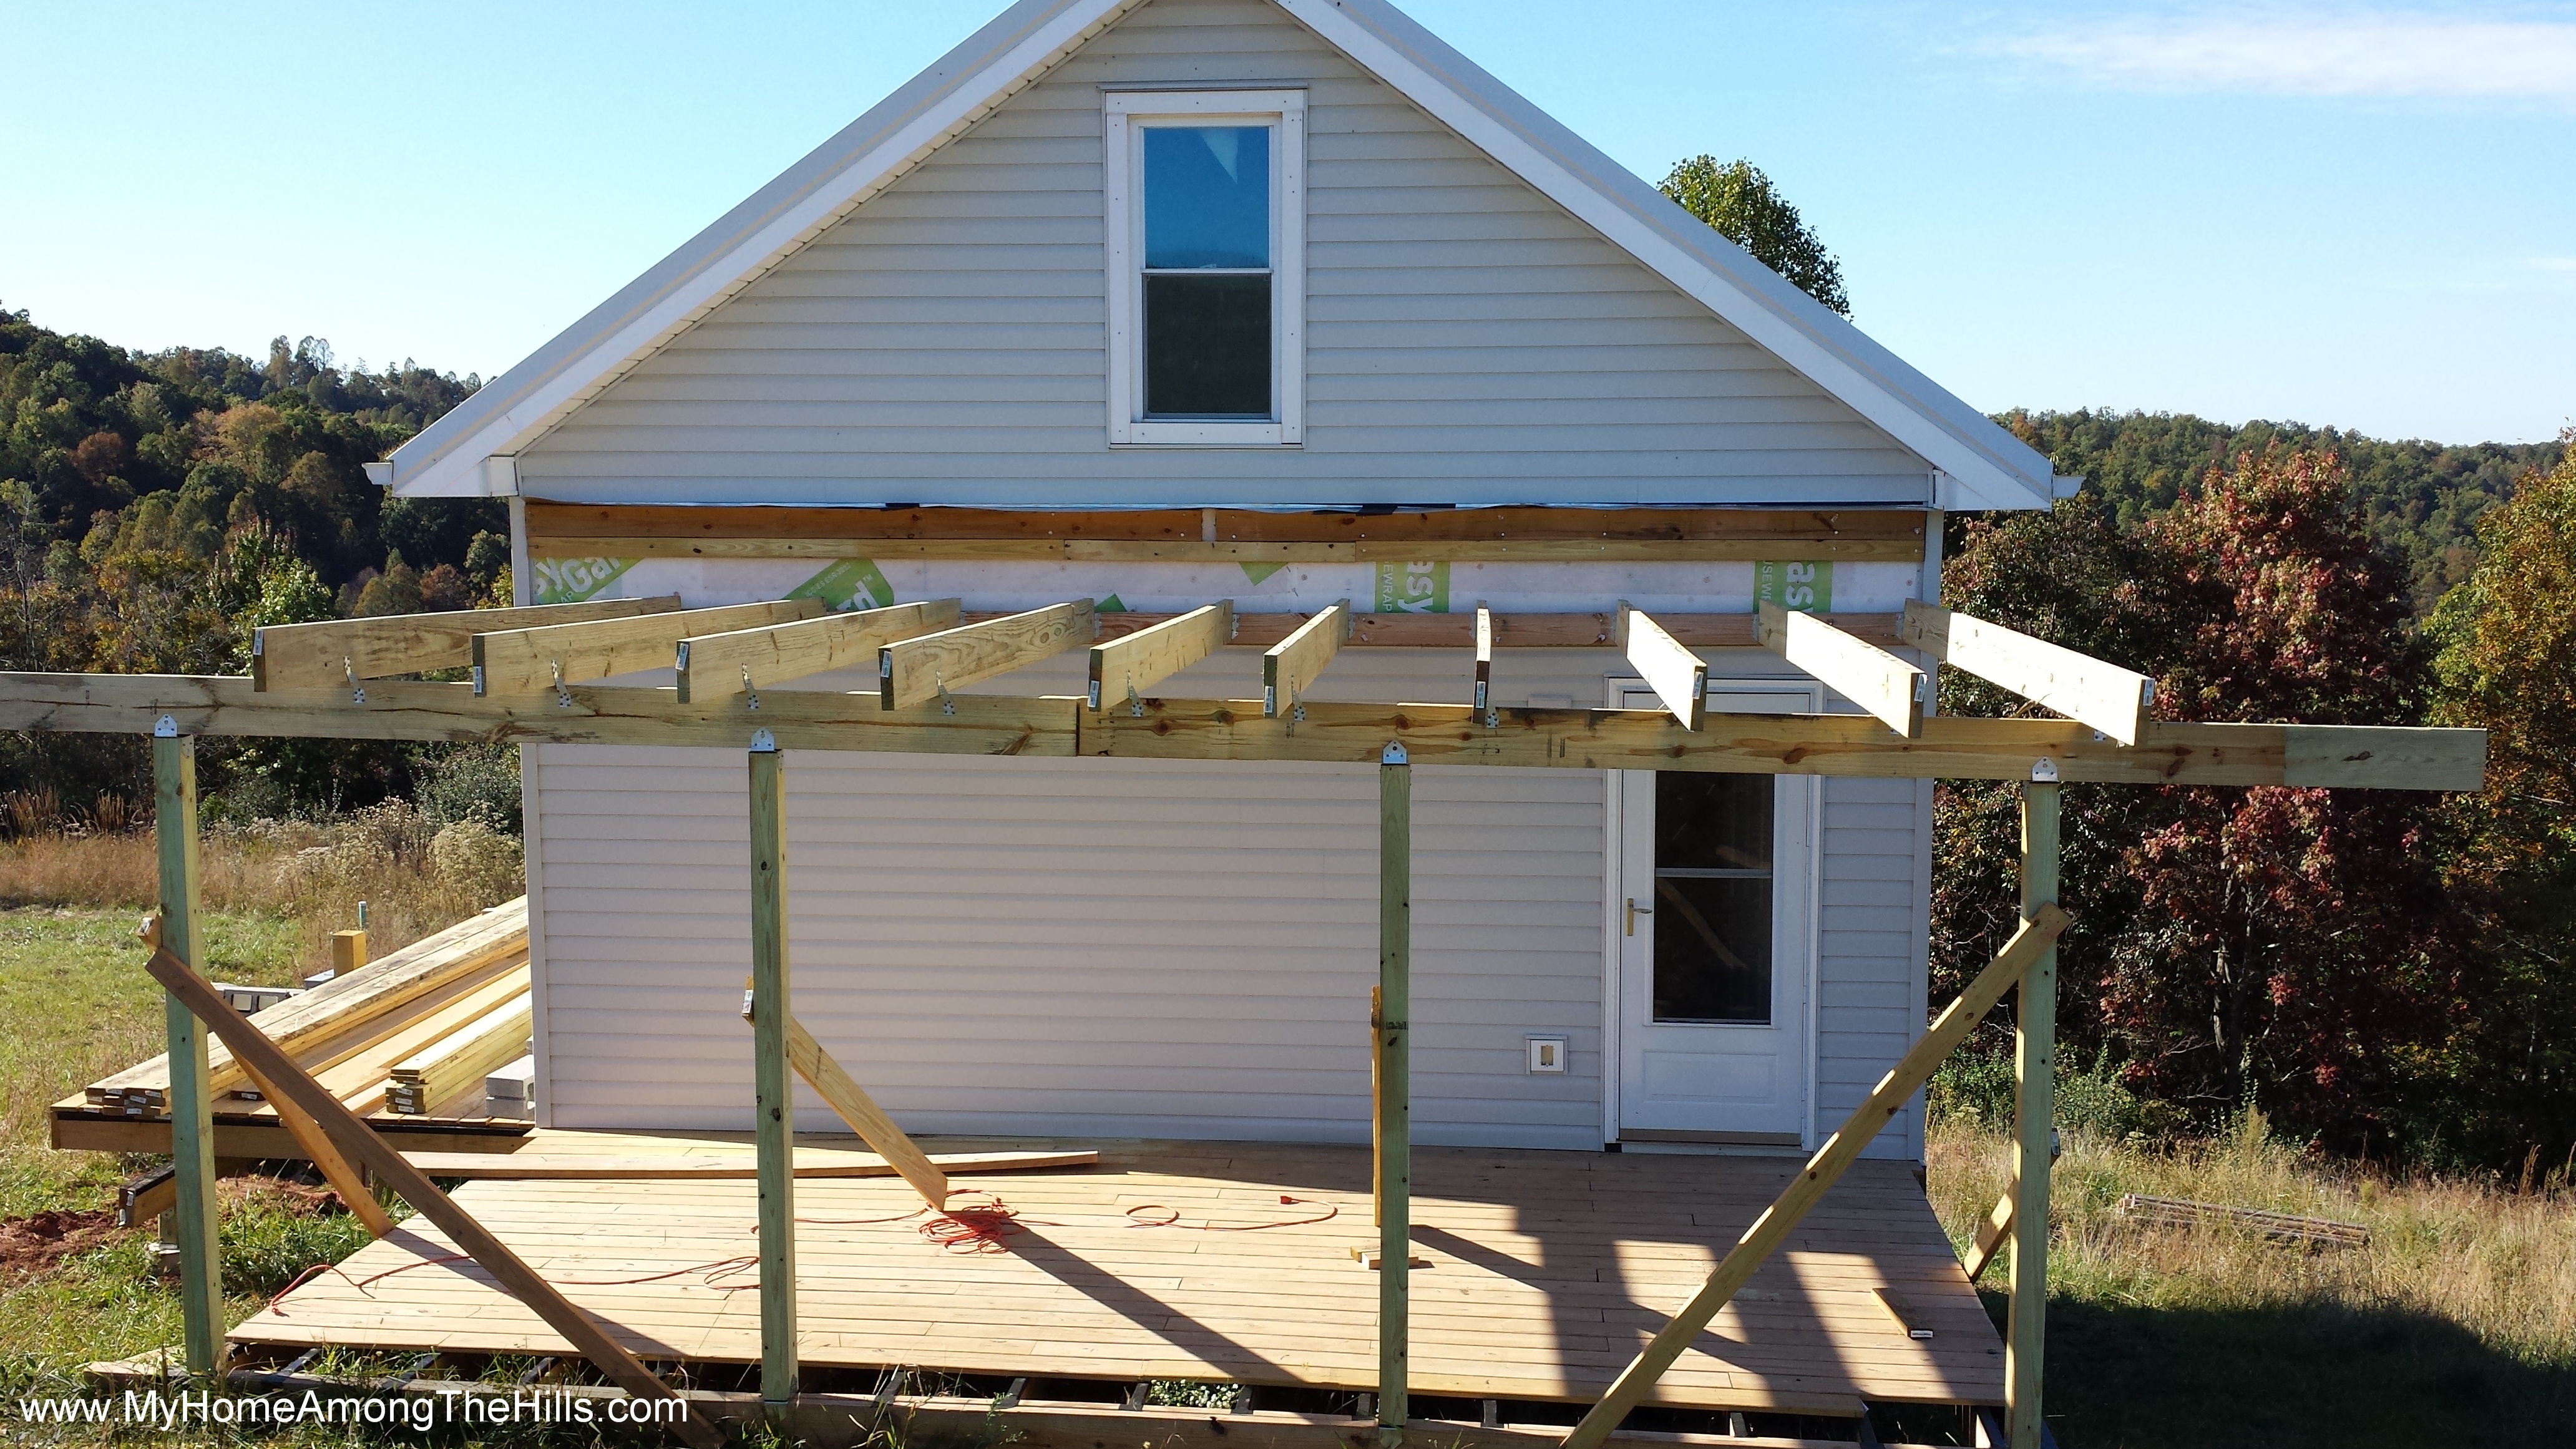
pixel 2367 53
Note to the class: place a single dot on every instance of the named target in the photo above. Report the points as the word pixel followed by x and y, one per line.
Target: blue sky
pixel 2358 216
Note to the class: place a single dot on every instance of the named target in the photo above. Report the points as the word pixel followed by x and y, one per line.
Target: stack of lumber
pixel 2174 1212
pixel 424 1017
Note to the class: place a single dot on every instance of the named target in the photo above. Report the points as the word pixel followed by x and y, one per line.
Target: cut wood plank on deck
pixel 729 1165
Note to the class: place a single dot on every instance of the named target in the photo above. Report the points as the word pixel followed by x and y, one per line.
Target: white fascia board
pixel 1985 466
pixel 983 71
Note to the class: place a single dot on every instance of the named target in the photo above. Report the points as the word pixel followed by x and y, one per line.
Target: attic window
pixel 1206 230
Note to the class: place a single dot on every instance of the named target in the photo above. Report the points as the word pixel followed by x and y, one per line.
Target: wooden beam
pixel 773 1088
pixel 2078 686
pixel 1828 1164
pixel 1679 677
pixel 846 1097
pixel 1990 1237
pixel 1523 631
pixel 523 661
pixel 335 1168
pixel 1951 747
pixel 916 671
pixel 1887 688
pixel 717 666
pixel 193 1219
pixel 615 530
pixel 1291 666
pixel 1134 663
pixel 362 1145
pixel 1484 655
pixel 2034 1125
pixel 341 652
pixel 1393 1129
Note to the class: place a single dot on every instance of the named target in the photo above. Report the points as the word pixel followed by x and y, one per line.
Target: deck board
pixel 1547 1271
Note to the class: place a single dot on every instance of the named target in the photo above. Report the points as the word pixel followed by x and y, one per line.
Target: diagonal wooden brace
pixel 1991 1236
pixel 252 1048
pixel 1840 1151
pixel 842 1093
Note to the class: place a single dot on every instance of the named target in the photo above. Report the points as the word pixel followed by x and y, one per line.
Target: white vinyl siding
pixel 1466 338
pixel 1130 948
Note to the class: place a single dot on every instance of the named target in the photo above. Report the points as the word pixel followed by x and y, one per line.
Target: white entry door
pixel 1714 902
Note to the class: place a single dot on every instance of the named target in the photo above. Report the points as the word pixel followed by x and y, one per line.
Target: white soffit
pixel 1976 464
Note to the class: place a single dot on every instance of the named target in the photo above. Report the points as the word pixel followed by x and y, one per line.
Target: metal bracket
pixel 1493 718
pixel 357 691
pixel 165 728
pixel 748 691
pixel 763 742
pixel 1393 754
pixel 563 696
pixel 947 704
pixel 2044 772
pixel 1135 705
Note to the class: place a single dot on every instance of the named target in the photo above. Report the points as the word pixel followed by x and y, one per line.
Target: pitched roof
pixel 1979 464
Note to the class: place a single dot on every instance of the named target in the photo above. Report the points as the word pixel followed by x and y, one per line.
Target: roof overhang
pixel 1975 464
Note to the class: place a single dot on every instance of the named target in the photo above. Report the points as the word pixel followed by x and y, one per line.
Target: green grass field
pixel 2458 1324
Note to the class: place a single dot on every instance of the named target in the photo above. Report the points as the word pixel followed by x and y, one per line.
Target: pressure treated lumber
pixel 341 652
pixel 1192 551
pixel 348 953
pixel 344 1002
pixel 1597 630
pixel 845 1096
pixel 715 666
pixel 1678 677
pixel 371 1151
pixel 2034 1127
pixel 522 661
pixel 1951 747
pixel 2078 686
pixel 773 1097
pixel 916 671
pixel 332 1163
pixel 190 1088
pixel 2307 1232
pixel 1291 666
pixel 568 1166
pixel 437 1073
pixel 1136 662
pixel 1840 1151
pixel 362 1078
pixel 1886 688
pixel 1394 1126
pixel 1991 1233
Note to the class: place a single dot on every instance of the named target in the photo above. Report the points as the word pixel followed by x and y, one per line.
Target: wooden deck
pixel 1545 1272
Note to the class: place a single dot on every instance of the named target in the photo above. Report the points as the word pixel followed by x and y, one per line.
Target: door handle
pixel 1634 911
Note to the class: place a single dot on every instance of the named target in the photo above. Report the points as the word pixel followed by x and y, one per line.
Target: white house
pixel 1154 302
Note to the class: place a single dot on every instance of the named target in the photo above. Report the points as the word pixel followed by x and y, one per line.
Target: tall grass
pixel 415 875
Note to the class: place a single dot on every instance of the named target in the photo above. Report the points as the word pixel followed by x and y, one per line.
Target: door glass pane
pixel 1712 905
pixel 1207 346
pixel 1207 197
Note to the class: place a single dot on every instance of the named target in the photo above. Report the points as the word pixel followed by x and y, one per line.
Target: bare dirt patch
pixel 39 1241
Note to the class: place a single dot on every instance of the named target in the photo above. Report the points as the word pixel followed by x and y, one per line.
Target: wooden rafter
pixel 1679 677
pixel 2078 686
pixel 1134 663
pixel 1291 666
pixel 915 671
pixel 1951 747
pixel 347 651
pixel 713 666
pixel 1884 686
pixel 523 661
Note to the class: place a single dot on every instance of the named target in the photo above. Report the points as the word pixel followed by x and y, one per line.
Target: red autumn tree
pixel 2292 949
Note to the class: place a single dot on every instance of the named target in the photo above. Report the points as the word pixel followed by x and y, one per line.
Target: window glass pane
pixel 1712 949
pixel 1207 197
pixel 1207 346
pixel 1712 921
pixel 1712 822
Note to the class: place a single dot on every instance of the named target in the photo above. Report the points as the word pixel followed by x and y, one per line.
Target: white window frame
pixel 1129 115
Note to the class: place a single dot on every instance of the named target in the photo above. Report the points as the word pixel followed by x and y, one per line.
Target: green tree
pixel 1737 199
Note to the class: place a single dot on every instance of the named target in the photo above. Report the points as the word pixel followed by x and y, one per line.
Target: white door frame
pixel 1808 904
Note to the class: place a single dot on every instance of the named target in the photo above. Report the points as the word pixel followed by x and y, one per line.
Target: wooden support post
pixel 773 1079
pixel 192 1123
pixel 1831 1161
pixel 2034 1074
pixel 348 953
pixel 354 1137
pixel 1394 1127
